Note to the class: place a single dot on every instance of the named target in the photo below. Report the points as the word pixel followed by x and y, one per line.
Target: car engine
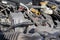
pixel 29 20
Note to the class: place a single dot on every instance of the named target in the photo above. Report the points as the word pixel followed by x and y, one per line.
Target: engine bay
pixel 31 20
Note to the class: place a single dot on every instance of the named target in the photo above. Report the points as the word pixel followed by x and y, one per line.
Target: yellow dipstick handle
pixel 35 11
